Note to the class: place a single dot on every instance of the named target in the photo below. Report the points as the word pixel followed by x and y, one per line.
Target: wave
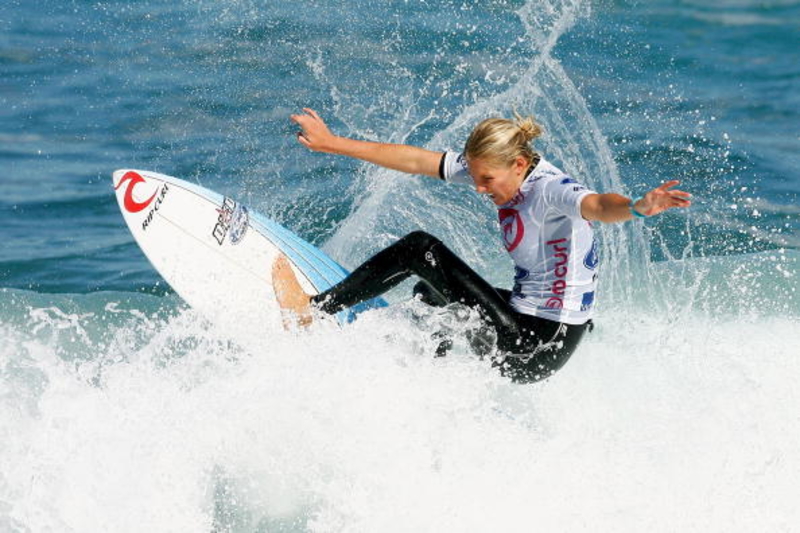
pixel 154 418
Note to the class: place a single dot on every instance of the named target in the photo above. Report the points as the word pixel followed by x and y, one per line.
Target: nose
pixel 481 189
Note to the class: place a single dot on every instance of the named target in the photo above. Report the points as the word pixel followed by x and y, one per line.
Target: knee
pixel 419 239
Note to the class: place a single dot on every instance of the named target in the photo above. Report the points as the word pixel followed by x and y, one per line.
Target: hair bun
pixel 528 126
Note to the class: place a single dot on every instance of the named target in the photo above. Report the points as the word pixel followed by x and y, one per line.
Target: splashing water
pixel 393 205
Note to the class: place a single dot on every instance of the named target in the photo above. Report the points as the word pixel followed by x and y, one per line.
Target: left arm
pixel 613 207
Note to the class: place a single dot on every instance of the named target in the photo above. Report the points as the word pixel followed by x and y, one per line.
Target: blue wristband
pixel 634 212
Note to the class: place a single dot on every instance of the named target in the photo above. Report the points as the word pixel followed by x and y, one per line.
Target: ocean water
pixel 122 410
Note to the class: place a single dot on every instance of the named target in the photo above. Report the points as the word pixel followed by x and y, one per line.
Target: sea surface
pixel 123 410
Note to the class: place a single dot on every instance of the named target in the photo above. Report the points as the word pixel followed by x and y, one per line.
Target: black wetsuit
pixel 530 348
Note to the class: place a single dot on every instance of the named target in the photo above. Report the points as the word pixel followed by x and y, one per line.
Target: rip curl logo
pixel 512 226
pixel 560 269
pixel 131 205
pixel 156 206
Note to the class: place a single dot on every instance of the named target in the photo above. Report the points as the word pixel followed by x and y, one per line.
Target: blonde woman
pixel 546 220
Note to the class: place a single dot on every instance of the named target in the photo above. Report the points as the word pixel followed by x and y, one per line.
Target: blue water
pixel 118 404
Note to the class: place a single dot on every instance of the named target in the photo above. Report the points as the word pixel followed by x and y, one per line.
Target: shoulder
pixel 559 190
pixel 546 172
pixel 548 175
pixel 546 169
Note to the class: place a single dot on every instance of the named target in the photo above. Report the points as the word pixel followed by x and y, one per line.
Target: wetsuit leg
pixel 547 347
pixel 534 347
pixel 542 349
pixel 418 253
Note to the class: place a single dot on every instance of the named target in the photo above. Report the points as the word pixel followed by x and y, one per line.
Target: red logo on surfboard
pixel 513 228
pixel 131 205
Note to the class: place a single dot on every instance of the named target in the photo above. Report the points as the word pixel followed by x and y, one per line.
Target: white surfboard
pixel 216 253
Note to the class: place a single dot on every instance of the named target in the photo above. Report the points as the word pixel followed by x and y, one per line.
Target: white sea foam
pixel 683 424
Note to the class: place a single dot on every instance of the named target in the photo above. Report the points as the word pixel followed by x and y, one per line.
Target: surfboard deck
pixel 216 253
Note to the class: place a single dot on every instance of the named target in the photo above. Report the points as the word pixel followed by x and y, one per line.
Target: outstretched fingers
pixel 301 136
pixel 664 197
pixel 313 132
pixel 679 202
pixel 675 199
pixel 302 121
pixel 675 193
pixel 312 113
pixel 667 184
pixel 681 197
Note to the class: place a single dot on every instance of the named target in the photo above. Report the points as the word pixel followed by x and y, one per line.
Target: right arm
pixel 316 136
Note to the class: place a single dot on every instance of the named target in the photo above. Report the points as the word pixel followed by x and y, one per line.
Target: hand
pixel 661 198
pixel 314 133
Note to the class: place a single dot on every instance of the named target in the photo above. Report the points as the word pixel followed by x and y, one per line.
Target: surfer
pixel 546 218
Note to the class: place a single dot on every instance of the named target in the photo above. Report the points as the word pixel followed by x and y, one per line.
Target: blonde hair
pixel 500 141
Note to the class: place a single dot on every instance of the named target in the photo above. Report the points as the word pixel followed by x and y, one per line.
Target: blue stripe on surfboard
pixel 322 274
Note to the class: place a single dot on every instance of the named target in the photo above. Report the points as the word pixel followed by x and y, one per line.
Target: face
pixel 500 183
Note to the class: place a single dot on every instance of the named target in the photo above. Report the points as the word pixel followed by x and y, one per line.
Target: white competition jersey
pixel 553 247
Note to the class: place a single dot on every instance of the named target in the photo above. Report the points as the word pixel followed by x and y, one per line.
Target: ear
pixel 521 164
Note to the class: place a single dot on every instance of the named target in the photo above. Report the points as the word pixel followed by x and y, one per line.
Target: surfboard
pixel 217 253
